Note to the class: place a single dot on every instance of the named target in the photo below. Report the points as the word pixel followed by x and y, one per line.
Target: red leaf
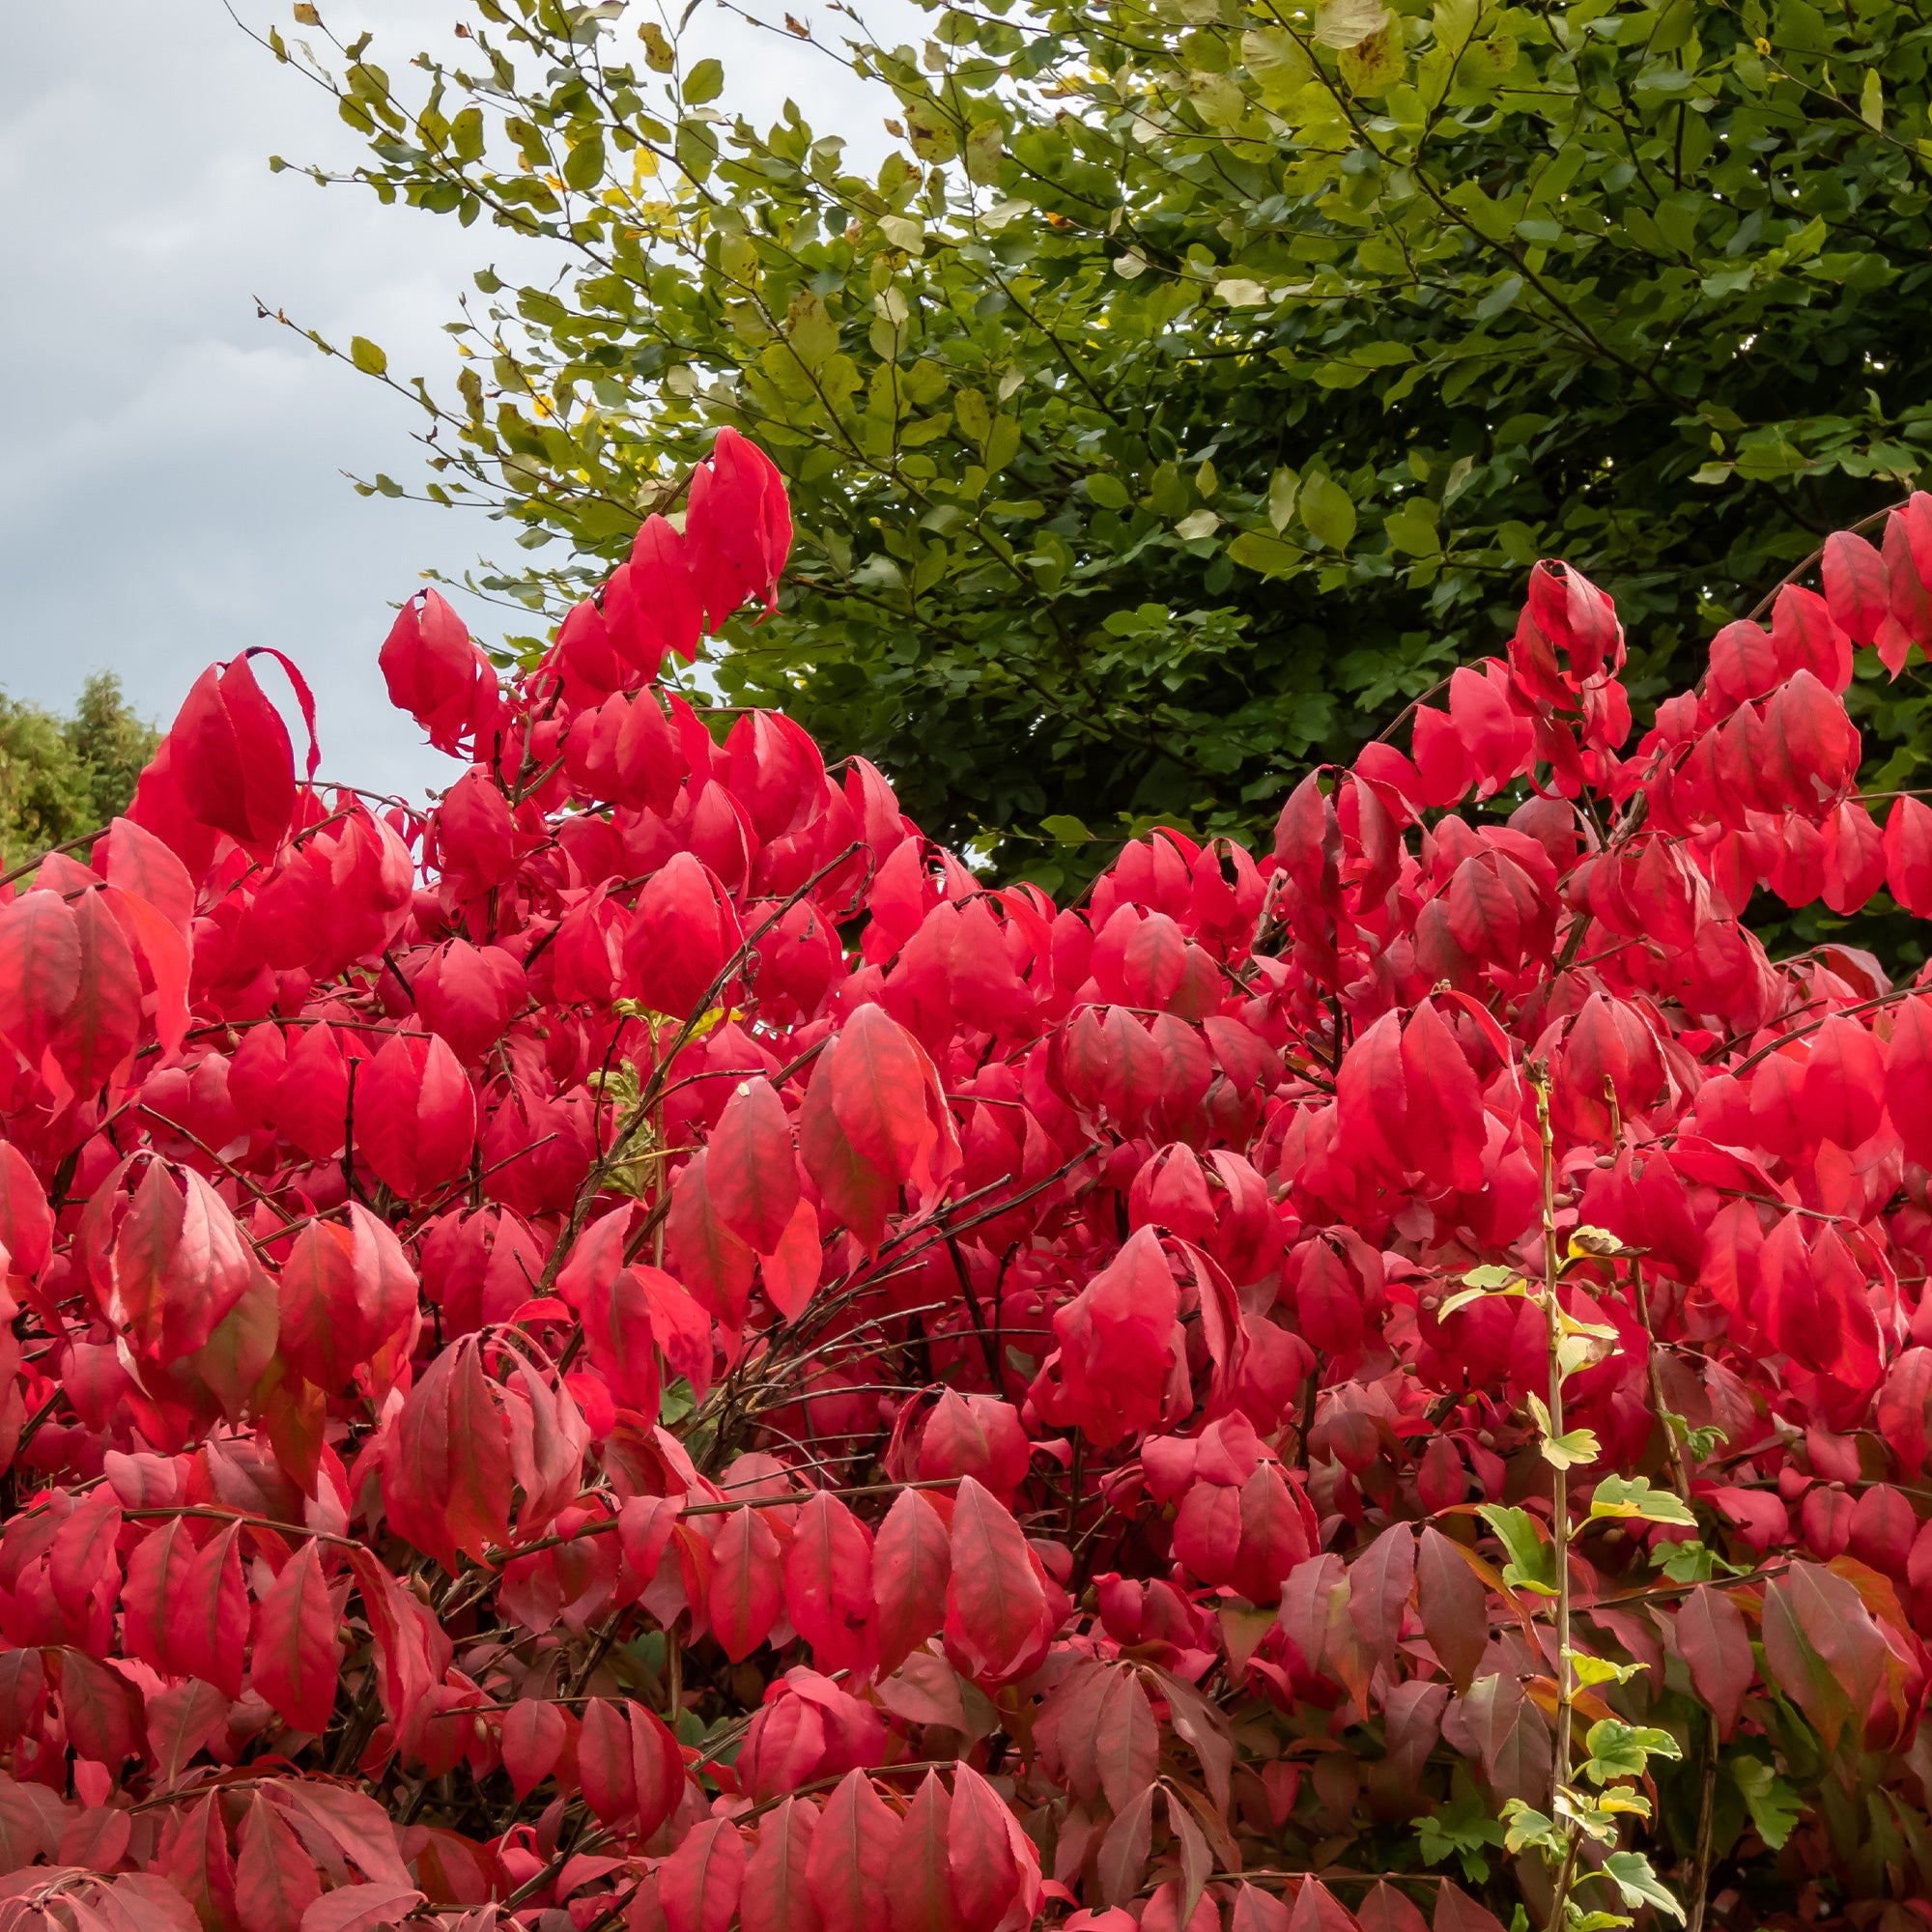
pixel 1127 1744
pixel 181 1720
pixel 1317 1909
pixel 699 1883
pixel 775 1895
pixel 158 1577
pixel 274 1881
pixel 26 1222
pixel 827 1582
pixel 711 1262
pixel 40 969
pixel 1908 1080
pixel 1117 1339
pixel 993 1864
pixel 995 1606
pixel 911 1563
pixel 533 1739
pixel 104 1714
pixel 1905 1407
pixel 102 1021
pixel 1379 1580
pixel 753 1177
pixel 1908 855
pixel 446 1478
pixel 83 1555
pixel 179 1265
pixel 1452 1604
pixel 415 1115
pixel 1856 585
pixel 411 1651
pixel 1715 1644
pixel 850 1864
pixel 1259 1911
pixel 857 1190
pixel 878 1092
pixel 344 1292
pixel 1457 1912
pixel 975 1436
pixel 476 834
pixel 747 1582
pixel 1385 1908
pixel 739 529
pixel 362 1907
pixel 296 1642
pixel 921 1880
pixel 209 1619
pixel 1274 1535
pixel 232 758
pixel 684 935
pixel 792 1268
pixel 434 671
pixel 603 1765
pixel 656 1768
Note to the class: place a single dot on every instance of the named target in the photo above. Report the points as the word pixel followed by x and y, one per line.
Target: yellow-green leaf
pixel 1347 23
pixel 1624 1498
pixel 1329 510
pixel 1871 99
pixel 659 55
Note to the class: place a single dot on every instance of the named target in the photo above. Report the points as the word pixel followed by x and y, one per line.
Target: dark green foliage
pixel 61 777
pixel 1196 382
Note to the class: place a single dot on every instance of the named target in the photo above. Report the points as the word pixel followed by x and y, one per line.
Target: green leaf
pixel 985 151
pixel 584 165
pixel 1871 101
pixel 1462 1829
pixel 1623 1751
pixel 1064 828
pixel 1413 534
pixel 1510 1287
pixel 1271 556
pixel 1631 1497
pixel 1589 1669
pixel 1525 1828
pixel 1283 487
pixel 1489 1275
pixel 1107 490
pixel 1532 1561
pixel 1774 1807
pixel 367 357
pixel 1327 510
pixel 1631 1874
pixel 1570 1449
pixel 704 82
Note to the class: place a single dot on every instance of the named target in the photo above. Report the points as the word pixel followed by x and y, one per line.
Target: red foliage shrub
pixel 639 1345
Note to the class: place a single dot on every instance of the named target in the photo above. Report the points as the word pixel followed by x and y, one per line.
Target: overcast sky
pixel 170 483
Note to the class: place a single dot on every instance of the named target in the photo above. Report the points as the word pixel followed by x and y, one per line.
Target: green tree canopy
pixel 61 777
pixel 1195 380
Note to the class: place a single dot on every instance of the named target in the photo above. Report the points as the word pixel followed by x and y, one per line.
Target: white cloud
pixel 170 476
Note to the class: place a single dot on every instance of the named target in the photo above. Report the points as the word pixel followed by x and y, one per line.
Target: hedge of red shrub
pixel 642 1347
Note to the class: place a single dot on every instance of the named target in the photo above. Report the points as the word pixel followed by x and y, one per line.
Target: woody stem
pixel 1559 1516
